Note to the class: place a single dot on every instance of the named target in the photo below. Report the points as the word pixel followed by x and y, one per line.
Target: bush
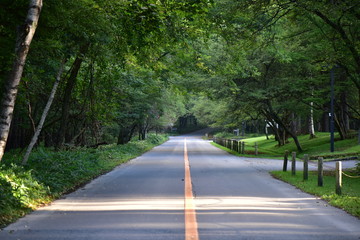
pixel 156 139
pixel 20 192
pixel 23 187
pixel 225 135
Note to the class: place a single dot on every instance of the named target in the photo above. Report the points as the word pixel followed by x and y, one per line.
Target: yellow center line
pixel 191 226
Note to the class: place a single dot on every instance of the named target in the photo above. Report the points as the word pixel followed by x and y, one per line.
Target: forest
pixel 103 71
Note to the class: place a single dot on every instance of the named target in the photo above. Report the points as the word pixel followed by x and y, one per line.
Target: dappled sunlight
pixel 263 218
pixel 235 204
pixel 252 203
pixel 120 205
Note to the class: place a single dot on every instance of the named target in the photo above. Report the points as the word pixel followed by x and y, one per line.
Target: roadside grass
pixel 319 146
pixel 50 174
pixel 316 146
pixel 348 201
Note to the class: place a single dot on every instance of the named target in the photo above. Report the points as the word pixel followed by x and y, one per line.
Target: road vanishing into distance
pixel 187 189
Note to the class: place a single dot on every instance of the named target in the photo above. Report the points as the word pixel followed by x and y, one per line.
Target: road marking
pixel 191 226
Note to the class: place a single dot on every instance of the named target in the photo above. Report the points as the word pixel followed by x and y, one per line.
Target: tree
pixel 24 38
pixel 44 115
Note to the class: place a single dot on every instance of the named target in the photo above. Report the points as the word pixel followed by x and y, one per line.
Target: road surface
pixel 187 189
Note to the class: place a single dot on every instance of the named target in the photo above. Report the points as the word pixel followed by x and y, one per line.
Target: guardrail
pixel 236 145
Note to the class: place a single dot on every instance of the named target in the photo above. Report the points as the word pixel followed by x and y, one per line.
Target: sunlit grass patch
pixel 349 200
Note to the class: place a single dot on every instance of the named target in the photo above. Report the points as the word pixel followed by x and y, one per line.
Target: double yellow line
pixel 191 226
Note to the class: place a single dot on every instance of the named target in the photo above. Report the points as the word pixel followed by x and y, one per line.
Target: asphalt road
pixel 234 198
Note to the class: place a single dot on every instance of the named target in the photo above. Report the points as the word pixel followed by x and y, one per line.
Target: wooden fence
pixel 320 170
pixel 237 145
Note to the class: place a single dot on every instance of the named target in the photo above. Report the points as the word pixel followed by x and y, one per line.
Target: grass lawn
pixel 316 146
pixel 348 201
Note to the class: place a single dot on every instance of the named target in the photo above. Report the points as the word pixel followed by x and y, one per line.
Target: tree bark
pixel 67 96
pixel 274 126
pixel 277 119
pixel 44 114
pixel 25 35
pixel 125 134
pixel 345 111
pixel 311 121
pixel 341 127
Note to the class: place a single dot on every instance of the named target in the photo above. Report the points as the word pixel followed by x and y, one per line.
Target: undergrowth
pixel 49 174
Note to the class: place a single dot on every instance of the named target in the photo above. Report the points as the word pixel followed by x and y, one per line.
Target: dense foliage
pixel 133 66
pixel 112 83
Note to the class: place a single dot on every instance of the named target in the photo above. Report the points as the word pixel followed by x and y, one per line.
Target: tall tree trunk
pixel 340 125
pixel 274 126
pixel 283 126
pixel 18 136
pixel 44 115
pixel 345 110
pixel 266 132
pixel 125 134
pixel 67 96
pixel 143 128
pixel 25 35
pixel 293 123
pixel 326 121
pixel 311 121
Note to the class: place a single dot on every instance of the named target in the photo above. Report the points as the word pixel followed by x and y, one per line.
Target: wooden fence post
pixel 242 147
pixel 306 167
pixel 285 160
pixel 239 146
pixel 320 172
pixel 256 149
pixel 338 175
pixel 293 163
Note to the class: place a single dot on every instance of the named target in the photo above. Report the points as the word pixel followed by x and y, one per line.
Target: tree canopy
pixel 135 66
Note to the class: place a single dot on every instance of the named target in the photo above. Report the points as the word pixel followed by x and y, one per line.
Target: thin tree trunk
pixel 25 35
pixel 345 111
pixel 341 127
pixel 274 126
pixel 44 115
pixel 266 131
pixel 293 123
pixel 125 134
pixel 277 119
pixel 67 96
pixel 311 121
pixel 30 112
